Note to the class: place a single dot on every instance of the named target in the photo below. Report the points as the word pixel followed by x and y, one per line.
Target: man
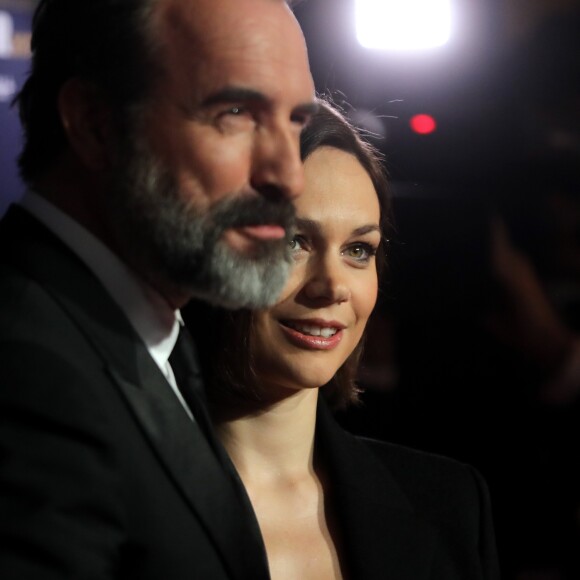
pixel 162 158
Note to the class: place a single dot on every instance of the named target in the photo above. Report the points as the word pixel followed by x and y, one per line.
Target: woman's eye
pixel 361 253
pixel 358 252
pixel 295 244
pixel 299 247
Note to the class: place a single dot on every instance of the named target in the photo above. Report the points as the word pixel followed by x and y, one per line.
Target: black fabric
pixel 405 514
pixel 183 361
pixel 188 377
pixel 185 366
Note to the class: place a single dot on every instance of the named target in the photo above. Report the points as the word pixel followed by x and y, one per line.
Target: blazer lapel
pixel 210 485
pixel 381 534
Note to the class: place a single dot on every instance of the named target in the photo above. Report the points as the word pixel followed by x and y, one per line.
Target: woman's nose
pixel 327 284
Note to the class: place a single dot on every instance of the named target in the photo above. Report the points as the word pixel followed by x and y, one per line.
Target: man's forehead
pixel 202 20
pixel 232 42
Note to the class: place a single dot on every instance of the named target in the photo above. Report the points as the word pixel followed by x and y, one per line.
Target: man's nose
pixel 277 170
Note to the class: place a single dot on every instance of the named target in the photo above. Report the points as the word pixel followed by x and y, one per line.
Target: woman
pixel 330 505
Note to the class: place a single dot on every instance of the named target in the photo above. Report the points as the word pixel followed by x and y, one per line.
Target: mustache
pixel 250 210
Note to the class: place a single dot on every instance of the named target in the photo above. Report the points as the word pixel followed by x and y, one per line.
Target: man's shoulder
pixel 38 275
pixel 25 302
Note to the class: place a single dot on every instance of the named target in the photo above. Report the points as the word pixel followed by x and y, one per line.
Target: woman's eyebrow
pixel 366 229
pixel 306 224
pixel 314 226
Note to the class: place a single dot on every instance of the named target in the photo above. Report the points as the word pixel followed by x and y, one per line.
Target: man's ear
pixel 87 120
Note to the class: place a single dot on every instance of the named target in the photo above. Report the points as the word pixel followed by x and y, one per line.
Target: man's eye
pixel 301 119
pixel 232 111
pixel 235 111
pixel 235 118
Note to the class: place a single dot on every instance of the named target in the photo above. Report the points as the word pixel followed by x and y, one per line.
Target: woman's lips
pixel 311 342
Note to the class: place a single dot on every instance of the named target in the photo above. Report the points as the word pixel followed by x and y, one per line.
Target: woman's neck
pixel 272 449
pixel 273 442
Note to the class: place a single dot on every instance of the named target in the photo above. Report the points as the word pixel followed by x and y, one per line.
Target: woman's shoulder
pixel 387 482
pixel 450 496
pixel 404 459
pixel 437 485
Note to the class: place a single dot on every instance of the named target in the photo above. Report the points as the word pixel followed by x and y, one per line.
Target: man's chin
pixel 234 281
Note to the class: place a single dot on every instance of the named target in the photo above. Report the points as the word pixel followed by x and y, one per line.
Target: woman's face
pixel 303 340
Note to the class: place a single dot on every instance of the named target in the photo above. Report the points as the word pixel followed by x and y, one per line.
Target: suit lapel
pixel 209 485
pixel 381 535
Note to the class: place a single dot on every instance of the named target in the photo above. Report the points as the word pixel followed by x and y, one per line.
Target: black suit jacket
pixel 405 514
pixel 102 473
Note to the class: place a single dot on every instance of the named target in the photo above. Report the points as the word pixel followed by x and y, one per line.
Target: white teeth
pixel 325 332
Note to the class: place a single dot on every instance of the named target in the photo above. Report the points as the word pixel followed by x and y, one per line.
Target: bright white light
pixel 403 24
pixel 6 31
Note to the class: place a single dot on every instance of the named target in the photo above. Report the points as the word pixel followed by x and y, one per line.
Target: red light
pixel 423 124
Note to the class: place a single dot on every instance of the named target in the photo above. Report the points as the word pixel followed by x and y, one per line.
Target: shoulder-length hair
pixel 224 337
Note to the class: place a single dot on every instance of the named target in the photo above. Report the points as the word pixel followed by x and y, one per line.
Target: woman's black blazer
pixel 405 514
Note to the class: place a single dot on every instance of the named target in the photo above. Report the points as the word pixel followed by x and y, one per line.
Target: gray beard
pixel 172 240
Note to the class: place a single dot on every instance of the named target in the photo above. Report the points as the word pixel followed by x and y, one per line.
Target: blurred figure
pixel 540 516
pixel 528 321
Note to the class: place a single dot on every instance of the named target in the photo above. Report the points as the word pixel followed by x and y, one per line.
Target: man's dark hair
pixel 104 42
pixel 223 336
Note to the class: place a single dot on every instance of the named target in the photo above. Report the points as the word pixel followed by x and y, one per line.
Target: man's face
pixel 206 185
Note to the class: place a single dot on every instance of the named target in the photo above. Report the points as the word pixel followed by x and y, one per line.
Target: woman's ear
pixel 87 121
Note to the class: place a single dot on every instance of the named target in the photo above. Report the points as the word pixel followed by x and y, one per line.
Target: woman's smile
pixel 313 334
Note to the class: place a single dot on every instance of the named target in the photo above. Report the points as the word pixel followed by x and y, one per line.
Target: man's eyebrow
pixel 308 109
pixel 232 94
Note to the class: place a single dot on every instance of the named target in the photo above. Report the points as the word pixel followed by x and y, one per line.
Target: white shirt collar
pixel 150 315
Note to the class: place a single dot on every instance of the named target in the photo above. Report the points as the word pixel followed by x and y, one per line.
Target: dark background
pixel 441 373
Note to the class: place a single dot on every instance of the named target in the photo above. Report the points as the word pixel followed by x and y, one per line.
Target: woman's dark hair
pixel 223 337
pixel 104 42
pixel 329 128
